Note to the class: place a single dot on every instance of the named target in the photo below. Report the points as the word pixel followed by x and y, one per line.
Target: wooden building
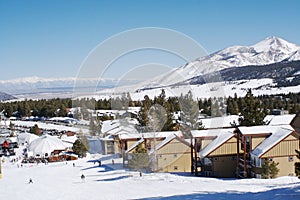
pixel 259 143
pixel 215 153
pixel 171 155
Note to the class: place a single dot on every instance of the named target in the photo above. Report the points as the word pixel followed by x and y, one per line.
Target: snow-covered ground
pixel 218 89
pixel 46 126
pixel 62 181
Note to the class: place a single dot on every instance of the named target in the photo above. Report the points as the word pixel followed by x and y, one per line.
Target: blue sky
pixel 52 38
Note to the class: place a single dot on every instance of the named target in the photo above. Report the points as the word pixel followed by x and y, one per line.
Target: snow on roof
pixel 279 119
pixel 30 138
pixel 69 139
pixel 147 135
pixel 134 145
pixel 108 138
pixel 48 126
pixel 113 124
pixel 134 110
pixel 64 119
pixel 123 130
pixel 277 135
pixel 210 132
pixel 109 125
pixel 253 130
pixel 220 122
pixel 46 144
pixel 221 136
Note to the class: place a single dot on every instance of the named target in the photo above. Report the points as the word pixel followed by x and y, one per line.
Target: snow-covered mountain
pixel 273 58
pixel 271 50
pixel 35 85
pixel 5 97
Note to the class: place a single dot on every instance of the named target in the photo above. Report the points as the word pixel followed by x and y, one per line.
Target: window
pixel 207 162
pixel 270 159
pixel 175 167
pixel 291 158
pixel 258 162
pixel 216 158
pixel 258 176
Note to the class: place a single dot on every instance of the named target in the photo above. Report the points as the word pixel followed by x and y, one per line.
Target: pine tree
pixel 269 169
pixel 80 148
pixel 273 169
pixel 189 115
pixel 143 114
pixel 139 159
pixel 157 118
pixel 93 128
pixel 35 130
pixel 12 129
pixel 252 113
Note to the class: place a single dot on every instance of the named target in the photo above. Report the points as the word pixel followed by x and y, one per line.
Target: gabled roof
pixel 167 140
pixel 256 130
pixel 220 122
pixel 210 132
pixel 276 136
pixel 123 130
pixel 147 135
pixel 134 145
pixel 272 120
pixel 220 137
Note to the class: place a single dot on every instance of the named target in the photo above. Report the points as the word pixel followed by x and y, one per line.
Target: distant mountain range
pixel 28 87
pixel 5 96
pixel 273 58
pixel 283 73
pixel 269 51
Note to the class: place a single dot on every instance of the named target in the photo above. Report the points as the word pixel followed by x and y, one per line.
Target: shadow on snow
pixel 114 179
pixel 275 194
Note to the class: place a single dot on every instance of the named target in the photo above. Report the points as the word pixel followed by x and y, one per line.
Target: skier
pixel 30 181
pixel 82 178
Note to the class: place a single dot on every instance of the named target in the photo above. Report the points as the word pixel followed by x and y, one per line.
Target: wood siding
pixel 205 142
pixel 256 141
pixel 286 165
pixel 228 148
pixel 174 157
pixel 286 147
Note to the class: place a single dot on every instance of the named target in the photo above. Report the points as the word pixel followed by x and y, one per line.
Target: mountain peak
pixel 275 43
pixel 270 50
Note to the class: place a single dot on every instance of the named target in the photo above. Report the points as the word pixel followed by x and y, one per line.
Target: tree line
pixel 210 106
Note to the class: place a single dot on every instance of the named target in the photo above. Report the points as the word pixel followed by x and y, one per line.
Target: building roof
pixel 117 127
pixel 220 122
pixel 123 130
pixel 276 136
pixel 46 144
pixel 279 119
pixel 167 140
pixel 256 130
pixel 210 132
pixel 221 136
pixel 134 145
pixel 147 135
